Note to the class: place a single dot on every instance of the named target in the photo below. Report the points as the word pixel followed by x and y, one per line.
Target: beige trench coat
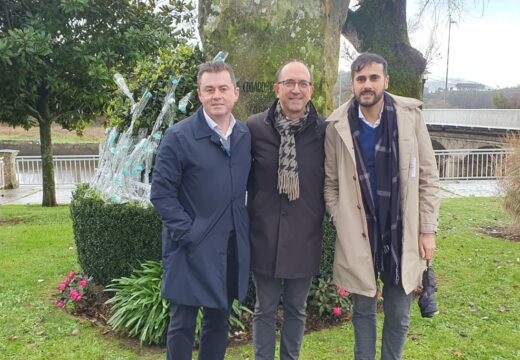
pixel 353 267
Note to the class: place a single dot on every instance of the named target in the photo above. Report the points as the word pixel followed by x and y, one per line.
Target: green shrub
pixel 328 300
pixel 113 239
pixel 327 252
pixel 138 310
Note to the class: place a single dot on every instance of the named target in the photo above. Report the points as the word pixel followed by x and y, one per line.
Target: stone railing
pixel 8 171
pixel 2 180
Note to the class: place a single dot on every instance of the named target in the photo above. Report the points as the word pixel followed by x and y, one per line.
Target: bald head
pixel 293 87
pixel 293 64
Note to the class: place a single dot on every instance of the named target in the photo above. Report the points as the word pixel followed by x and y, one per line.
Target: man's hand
pixel 427 246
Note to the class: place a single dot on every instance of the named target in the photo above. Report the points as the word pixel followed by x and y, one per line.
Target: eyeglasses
pixel 302 84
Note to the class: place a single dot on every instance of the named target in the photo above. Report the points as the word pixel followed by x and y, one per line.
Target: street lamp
pixel 450 21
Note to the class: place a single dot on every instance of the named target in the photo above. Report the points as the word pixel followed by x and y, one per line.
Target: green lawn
pixel 479 292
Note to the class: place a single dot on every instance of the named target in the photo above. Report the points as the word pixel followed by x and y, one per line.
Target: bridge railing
pixel 68 169
pixel 505 119
pixel 452 165
pixel 471 163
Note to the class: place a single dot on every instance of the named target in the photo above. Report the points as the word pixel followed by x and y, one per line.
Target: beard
pixel 376 97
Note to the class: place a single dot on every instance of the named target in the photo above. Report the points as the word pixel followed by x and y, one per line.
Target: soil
pixel 95 131
pixel 97 313
pixel 15 220
pixel 500 233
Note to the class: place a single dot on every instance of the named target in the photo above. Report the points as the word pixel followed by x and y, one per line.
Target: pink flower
pixel 78 298
pixel 62 286
pixel 60 304
pixel 71 276
pixel 83 283
pixel 74 294
pixel 336 311
pixel 342 292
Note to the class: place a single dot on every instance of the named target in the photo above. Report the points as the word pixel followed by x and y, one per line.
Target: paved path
pixel 467 188
pixel 449 189
pixel 29 194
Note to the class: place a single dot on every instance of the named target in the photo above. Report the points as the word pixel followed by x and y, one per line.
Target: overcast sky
pixel 483 48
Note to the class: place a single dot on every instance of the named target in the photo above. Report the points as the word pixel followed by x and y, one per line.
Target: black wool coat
pixel 199 191
pixel 286 236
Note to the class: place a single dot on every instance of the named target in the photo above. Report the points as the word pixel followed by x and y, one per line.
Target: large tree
pixel 57 58
pixel 380 26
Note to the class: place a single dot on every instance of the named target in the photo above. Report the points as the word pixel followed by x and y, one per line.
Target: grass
pixel 478 276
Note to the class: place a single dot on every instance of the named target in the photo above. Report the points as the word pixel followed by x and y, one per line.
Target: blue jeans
pixel 395 328
pixel 294 294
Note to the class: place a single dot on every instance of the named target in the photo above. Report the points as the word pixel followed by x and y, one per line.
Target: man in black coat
pixel 198 190
pixel 286 208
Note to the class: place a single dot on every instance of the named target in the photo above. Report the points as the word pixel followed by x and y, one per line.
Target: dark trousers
pixel 214 332
pixel 395 327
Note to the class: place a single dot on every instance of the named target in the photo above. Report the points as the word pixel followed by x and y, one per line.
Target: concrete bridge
pixel 471 128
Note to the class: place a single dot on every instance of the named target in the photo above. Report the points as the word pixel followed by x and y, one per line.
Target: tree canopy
pixel 57 58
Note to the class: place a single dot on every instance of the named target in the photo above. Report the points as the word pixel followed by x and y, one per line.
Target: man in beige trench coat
pixel 382 191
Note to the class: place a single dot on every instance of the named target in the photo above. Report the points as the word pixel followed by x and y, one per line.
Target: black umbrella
pixel 427 302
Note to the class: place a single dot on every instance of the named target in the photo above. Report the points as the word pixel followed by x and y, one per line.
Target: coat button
pixel 354 178
pixel 359 206
pixel 364 235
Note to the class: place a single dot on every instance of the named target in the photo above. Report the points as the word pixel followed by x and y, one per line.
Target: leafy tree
pixel 154 74
pixel 57 58
pixel 505 100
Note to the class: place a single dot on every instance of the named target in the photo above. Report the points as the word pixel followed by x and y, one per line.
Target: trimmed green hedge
pixel 113 239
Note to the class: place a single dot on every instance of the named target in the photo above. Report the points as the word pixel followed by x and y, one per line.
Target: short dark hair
pixel 367 58
pixel 216 67
pixel 277 75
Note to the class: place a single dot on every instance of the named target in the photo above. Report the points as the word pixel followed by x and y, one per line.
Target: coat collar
pixel 202 130
pixel 313 113
pixel 340 119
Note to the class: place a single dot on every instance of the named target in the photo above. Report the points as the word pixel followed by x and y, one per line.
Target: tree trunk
pixel 379 26
pixel 49 187
pixel 261 35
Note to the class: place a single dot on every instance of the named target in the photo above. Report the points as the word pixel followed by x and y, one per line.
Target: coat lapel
pixel 237 135
pixel 340 116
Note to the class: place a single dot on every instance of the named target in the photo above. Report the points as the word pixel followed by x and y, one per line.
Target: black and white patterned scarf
pixel 288 182
pixel 383 209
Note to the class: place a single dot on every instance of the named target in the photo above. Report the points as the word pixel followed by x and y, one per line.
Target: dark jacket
pixel 199 193
pixel 286 236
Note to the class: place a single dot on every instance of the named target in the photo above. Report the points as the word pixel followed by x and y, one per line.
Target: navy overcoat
pixel 199 190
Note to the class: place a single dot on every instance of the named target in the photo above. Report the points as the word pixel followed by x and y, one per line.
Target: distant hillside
pixel 468 99
pixel 436 83
pixel 434 93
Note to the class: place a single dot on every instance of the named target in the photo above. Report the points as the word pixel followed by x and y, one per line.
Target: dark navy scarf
pixel 383 209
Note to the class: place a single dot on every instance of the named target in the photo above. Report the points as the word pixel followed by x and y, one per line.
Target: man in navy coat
pixel 198 190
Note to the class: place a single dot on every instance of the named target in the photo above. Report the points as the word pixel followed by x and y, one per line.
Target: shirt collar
pixel 362 117
pixel 215 127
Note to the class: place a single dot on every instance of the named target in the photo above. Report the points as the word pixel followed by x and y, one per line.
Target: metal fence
pixel 471 164
pixel 68 169
pixel 452 164
pixel 2 173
